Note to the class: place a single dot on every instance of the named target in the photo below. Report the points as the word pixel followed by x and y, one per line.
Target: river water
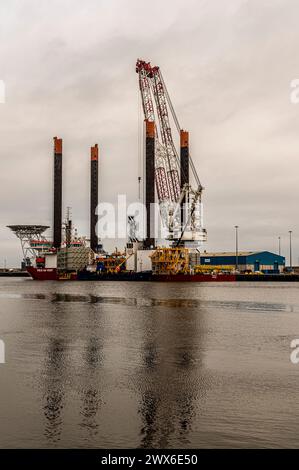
pixel 117 365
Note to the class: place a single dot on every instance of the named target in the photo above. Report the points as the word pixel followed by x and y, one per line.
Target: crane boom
pixel 150 81
pixel 166 135
pixel 144 71
pixel 158 108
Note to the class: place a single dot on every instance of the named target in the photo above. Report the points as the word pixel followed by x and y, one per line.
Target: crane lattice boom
pixel 157 108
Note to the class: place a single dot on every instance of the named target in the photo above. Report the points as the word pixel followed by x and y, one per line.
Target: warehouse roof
pixel 229 253
pixel 232 254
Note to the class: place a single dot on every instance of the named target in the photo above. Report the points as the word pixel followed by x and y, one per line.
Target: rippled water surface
pixel 148 365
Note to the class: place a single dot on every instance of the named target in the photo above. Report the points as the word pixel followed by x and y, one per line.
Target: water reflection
pixel 157 302
pixel 149 411
pixel 148 365
pixel 54 391
pixel 58 297
pixel 168 380
pixel 91 393
pixel 110 357
pixel 57 371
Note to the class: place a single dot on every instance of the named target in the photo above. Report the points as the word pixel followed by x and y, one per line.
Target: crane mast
pixel 172 194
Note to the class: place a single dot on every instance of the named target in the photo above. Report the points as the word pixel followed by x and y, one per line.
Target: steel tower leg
pixel 184 165
pixel 150 182
pixel 57 222
pixel 94 157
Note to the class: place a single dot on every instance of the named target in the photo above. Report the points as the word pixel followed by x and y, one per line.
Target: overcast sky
pixel 69 70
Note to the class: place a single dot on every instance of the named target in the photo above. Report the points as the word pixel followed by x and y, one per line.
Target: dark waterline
pixel 148 365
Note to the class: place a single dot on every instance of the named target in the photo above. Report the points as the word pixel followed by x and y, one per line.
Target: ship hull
pixel 43 274
pixel 124 276
pixel 194 278
pixel 148 276
pixel 51 274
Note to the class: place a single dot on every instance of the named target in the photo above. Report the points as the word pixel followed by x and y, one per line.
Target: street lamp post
pixel 237 248
pixel 279 251
pixel 291 267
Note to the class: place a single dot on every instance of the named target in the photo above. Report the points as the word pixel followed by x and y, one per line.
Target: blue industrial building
pixel 253 261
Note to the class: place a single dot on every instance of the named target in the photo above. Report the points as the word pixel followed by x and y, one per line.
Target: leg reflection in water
pixel 170 381
pixel 54 391
pixel 90 396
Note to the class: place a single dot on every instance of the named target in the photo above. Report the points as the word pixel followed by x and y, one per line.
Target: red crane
pixel 157 107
